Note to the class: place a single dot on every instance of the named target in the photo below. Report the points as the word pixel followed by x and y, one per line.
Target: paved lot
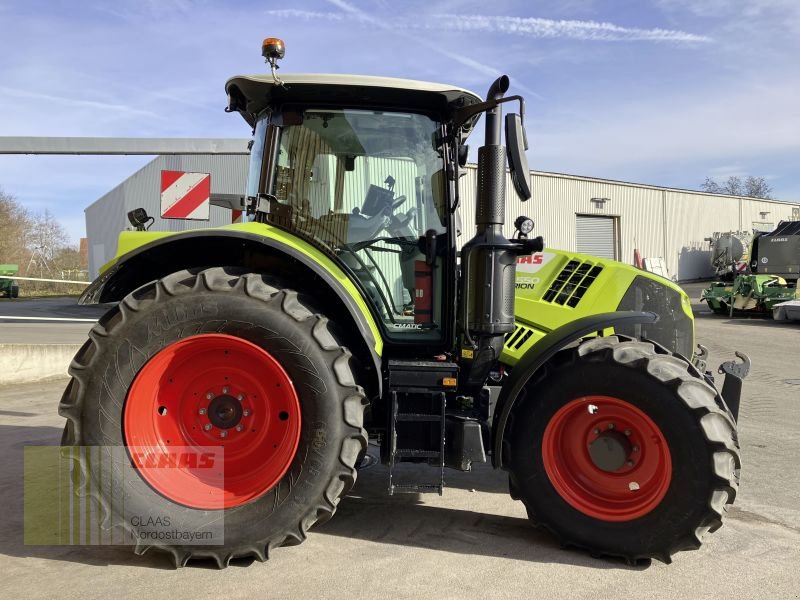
pixel 472 542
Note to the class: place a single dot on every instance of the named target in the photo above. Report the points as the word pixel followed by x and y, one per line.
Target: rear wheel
pixel 620 449
pixel 210 359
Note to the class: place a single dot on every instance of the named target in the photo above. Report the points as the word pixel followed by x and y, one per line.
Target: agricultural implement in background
pixel 730 253
pixel 771 279
pixel 8 286
pixel 342 310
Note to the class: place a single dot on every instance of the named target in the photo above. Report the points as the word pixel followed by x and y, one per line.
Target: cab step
pixel 417 420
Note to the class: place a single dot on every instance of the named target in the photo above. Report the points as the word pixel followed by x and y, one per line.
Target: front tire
pixel 619 448
pixel 198 353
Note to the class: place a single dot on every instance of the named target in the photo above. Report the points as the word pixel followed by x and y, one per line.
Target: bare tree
pixel 15 222
pixel 38 243
pixel 46 237
pixel 752 187
pixel 757 187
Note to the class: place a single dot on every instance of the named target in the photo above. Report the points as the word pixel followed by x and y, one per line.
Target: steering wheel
pixel 401 226
pixel 398 202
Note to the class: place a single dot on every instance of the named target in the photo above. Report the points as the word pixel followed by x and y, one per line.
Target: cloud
pixel 460 58
pixel 733 8
pixel 352 13
pixel 533 27
pixel 576 30
pixel 78 102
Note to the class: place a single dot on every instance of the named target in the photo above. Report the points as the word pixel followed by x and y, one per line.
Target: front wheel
pixel 620 449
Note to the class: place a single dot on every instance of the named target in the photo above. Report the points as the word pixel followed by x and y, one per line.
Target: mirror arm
pixel 464 114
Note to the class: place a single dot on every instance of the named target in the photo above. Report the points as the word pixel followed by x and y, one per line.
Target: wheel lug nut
pixel 596 431
pixel 630 463
pixel 240 397
pixel 207 426
pixel 246 413
pixel 223 434
pixel 209 396
pixel 627 432
pixel 226 389
pixel 238 428
pixel 202 411
pixel 611 426
pixel 635 448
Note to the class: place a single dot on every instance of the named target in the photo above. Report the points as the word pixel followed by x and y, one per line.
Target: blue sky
pixel 655 91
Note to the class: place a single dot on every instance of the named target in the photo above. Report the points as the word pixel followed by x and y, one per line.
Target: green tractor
pixel 343 311
pixel 774 269
pixel 8 286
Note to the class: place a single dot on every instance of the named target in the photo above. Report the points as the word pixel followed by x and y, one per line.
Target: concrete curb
pixel 24 363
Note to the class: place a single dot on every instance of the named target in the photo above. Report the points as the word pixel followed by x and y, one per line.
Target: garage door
pixel 597 236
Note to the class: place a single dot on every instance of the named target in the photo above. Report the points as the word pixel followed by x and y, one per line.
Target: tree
pixel 38 243
pixel 46 237
pixel 752 187
pixel 15 222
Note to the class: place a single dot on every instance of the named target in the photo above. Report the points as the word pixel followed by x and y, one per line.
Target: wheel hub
pixel 610 451
pixel 225 412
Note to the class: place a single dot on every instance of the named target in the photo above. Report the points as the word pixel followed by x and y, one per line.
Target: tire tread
pixel 228 280
pixel 702 400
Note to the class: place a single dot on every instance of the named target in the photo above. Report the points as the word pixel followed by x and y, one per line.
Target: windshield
pixel 367 185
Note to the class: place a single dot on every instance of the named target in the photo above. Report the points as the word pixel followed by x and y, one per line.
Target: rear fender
pixel 543 351
pixel 310 272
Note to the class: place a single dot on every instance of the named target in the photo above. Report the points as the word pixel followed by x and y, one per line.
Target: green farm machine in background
pixel 345 309
pixel 8 286
pixel 774 268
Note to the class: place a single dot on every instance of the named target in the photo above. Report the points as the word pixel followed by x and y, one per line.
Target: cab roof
pixel 251 94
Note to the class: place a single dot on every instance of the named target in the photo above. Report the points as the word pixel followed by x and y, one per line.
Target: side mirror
pixel 516 144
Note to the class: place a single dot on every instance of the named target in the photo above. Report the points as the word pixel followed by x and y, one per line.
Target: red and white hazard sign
pixel 185 195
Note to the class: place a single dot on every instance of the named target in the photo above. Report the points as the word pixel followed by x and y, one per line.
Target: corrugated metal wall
pixel 104 220
pixel 106 217
pixel 659 222
pixel 689 218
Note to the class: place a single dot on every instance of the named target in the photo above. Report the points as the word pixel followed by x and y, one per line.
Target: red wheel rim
pixel 202 393
pixel 624 493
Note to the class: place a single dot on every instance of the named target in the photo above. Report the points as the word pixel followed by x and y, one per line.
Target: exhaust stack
pixel 489 258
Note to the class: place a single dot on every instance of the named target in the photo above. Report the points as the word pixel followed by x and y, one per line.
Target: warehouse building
pixel 614 218
pixel 107 216
pixel 595 216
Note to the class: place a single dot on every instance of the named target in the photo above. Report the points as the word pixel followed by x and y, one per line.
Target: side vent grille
pixel 572 282
pixel 517 338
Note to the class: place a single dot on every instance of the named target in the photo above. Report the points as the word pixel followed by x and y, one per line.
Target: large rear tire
pixel 619 448
pixel 210 358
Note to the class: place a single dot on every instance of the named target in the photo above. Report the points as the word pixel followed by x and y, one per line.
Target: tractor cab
pixel 363 168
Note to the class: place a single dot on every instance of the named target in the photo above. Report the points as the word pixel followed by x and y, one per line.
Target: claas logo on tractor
pixel 345 309
pixel 532 259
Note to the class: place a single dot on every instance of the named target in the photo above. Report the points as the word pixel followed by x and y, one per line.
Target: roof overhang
pixel 251 94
